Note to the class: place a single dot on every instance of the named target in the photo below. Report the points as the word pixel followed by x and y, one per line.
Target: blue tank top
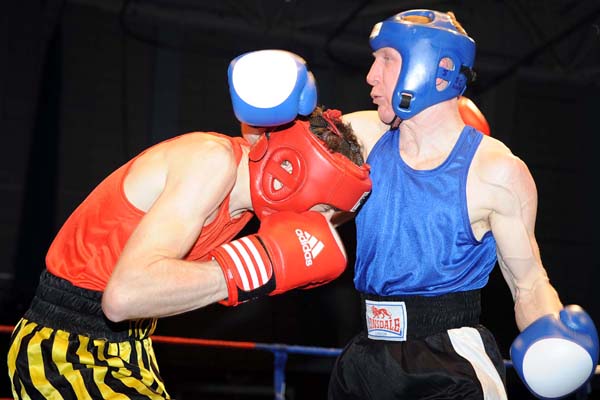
pixel 413 232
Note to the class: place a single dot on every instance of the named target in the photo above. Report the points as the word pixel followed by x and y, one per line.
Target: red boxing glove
pixel 289 251
pixel 471 115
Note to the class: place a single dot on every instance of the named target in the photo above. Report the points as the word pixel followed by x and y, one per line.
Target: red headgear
pixel 292 170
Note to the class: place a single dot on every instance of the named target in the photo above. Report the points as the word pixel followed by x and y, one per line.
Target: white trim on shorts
pixel 468 344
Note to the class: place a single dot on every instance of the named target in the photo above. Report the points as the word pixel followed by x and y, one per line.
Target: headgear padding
pixel 422 45
pixel 292 170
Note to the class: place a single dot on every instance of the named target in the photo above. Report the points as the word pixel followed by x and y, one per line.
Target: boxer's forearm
pixel 536 301
pixel 167 287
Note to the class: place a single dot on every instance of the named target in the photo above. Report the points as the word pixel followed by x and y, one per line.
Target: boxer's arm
pixel 150 278
pixel 367 127
pixel 512 221
pixel 557 349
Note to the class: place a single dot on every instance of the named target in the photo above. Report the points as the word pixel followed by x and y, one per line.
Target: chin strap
pixel 394 123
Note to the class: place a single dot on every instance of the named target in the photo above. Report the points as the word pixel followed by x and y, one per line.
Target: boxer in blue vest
pixel 447 204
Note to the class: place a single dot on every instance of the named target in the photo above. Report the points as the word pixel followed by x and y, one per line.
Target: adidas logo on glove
pixel 311 246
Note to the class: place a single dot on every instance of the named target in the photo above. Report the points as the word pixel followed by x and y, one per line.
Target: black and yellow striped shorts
pixel 64 348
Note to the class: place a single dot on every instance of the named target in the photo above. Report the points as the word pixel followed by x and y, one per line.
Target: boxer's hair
pixel 338 136
pixel 457 24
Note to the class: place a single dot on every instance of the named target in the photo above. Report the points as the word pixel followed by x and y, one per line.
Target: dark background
pixel 87 84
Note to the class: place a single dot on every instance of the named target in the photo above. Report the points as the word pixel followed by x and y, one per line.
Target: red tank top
pixel 87 247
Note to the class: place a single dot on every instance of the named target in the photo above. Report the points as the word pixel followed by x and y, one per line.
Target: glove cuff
pixel 247 269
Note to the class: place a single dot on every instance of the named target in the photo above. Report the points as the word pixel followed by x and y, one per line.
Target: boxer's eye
pixel 286 165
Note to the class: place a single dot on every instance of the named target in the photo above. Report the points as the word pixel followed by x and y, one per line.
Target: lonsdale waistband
pixel 398 318
pixel 58 304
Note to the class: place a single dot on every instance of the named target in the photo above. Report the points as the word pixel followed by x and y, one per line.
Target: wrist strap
pixel 247 267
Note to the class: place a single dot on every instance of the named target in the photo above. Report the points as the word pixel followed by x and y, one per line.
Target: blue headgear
pixel 422 47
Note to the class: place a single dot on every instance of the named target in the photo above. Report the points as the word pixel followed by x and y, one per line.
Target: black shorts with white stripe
pixel 457 359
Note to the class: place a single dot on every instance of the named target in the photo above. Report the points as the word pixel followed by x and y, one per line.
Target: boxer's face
pixel 325 209
pixel 383 76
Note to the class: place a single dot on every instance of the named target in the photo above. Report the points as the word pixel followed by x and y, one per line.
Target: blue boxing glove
pixel 556 356
pixel 271 87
